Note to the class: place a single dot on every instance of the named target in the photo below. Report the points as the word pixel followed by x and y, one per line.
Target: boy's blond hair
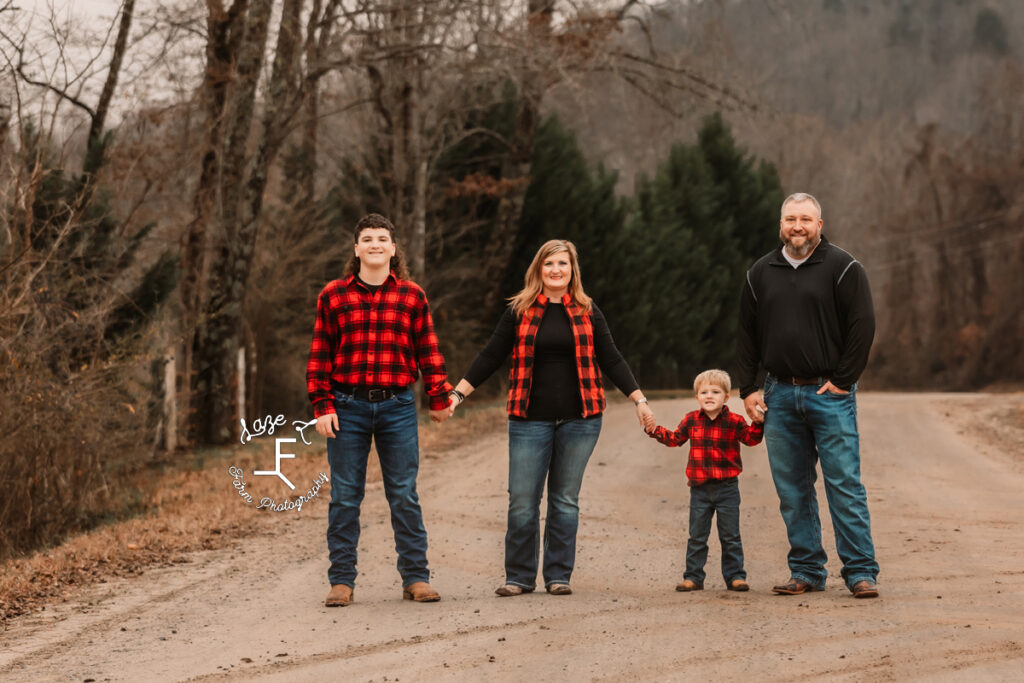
pixel 718 378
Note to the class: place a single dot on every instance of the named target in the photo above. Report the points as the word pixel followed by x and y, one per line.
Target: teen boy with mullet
pixel 373 336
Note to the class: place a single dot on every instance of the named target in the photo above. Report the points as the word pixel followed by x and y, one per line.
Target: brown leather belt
pixel 802 381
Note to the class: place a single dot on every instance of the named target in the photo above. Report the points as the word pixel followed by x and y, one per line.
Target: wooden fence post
pixel 170 401
pixel 240 397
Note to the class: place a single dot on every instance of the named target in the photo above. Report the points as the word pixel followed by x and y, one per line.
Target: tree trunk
pixel 243 181
pixel 99 119
pixel 419 222
pixel 224 30
pixel 5 118
pixel 289 91
pixel 302 202
pixel 398 89
pixel 418 167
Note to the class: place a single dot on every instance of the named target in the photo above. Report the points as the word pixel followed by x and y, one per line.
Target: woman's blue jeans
pixel 556 451
pixel 802 428
pixel 392 424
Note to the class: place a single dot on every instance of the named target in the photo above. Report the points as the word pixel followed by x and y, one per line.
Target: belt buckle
pixel 375 395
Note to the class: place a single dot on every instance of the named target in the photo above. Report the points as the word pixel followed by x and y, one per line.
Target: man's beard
pixel 803 251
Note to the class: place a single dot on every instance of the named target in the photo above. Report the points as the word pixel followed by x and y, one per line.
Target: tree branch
pixel 103 106
pixel 61 93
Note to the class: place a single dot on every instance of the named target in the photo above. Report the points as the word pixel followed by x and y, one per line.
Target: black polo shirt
pixel 816 320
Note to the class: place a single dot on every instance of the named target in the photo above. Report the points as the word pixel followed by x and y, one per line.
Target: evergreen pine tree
pixel 667 266
pixel 749 196
pixel 568 200
pixel 710 211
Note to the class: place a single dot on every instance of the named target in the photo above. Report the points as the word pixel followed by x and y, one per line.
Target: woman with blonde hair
pixel 560 346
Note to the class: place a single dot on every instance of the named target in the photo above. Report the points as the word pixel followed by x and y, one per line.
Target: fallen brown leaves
pixel 195 507
pixel 191 511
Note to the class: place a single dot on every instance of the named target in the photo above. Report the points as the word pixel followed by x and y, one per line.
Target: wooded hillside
pixel 904 118
pixel 179 179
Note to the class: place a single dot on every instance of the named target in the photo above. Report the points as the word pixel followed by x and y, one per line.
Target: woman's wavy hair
pixel 375 220
pixel 532 285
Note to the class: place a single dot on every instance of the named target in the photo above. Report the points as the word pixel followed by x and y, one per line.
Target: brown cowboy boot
pixel 340 596
pixel 420 592
pixel 687 585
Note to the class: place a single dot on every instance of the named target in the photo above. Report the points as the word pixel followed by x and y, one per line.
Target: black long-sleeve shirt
pixel 554 390
pixel 816 320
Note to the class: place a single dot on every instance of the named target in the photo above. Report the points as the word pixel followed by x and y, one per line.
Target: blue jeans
pixel 392 423
pixel 722 497
pixel 558 451
pixel 801 428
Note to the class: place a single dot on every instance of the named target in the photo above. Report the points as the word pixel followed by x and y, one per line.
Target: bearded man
pixel 806 318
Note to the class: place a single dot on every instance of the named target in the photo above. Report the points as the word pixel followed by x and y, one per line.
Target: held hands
pixel 646 417
pixel 442 414
pixel 453 403
pixel 755 406
pixel 457 396
pixel 455 399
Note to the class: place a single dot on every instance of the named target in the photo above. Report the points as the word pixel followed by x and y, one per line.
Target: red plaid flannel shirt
pixel 714 444
pixel 376 340
pixel 520 375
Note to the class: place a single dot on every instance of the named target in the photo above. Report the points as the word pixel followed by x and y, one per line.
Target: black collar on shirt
pixel 354 278
pixel 723 411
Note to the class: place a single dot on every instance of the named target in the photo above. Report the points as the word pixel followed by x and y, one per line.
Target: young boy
pixel 712 472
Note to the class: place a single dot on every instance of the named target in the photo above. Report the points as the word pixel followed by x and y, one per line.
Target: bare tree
pixel 77 291
pixel 422 59
pixel 5 115
pixel 97 114
pixel 220 240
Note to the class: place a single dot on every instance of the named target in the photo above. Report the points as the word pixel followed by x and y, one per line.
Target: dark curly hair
pixel 375 220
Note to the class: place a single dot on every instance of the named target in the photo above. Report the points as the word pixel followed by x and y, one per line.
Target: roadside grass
pixel 192 503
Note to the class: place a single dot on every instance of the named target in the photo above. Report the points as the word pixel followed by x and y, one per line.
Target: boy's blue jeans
pixel 802 428
pixel 723 498
pixel 556 451
pixel 392 423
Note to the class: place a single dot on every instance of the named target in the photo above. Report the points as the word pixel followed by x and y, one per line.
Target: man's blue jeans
pixel 723 498
pixel 556 451
pixel 801 428
pixel 392 423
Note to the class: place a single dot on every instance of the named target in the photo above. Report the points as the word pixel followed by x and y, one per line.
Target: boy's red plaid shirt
pixel 714 444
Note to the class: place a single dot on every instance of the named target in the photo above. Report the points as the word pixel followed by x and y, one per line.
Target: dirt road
pixel 948 517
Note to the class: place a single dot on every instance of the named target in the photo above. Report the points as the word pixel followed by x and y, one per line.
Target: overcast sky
pixel 91 28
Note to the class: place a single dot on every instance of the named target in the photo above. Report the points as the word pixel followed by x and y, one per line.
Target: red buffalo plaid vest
pixel 521 374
